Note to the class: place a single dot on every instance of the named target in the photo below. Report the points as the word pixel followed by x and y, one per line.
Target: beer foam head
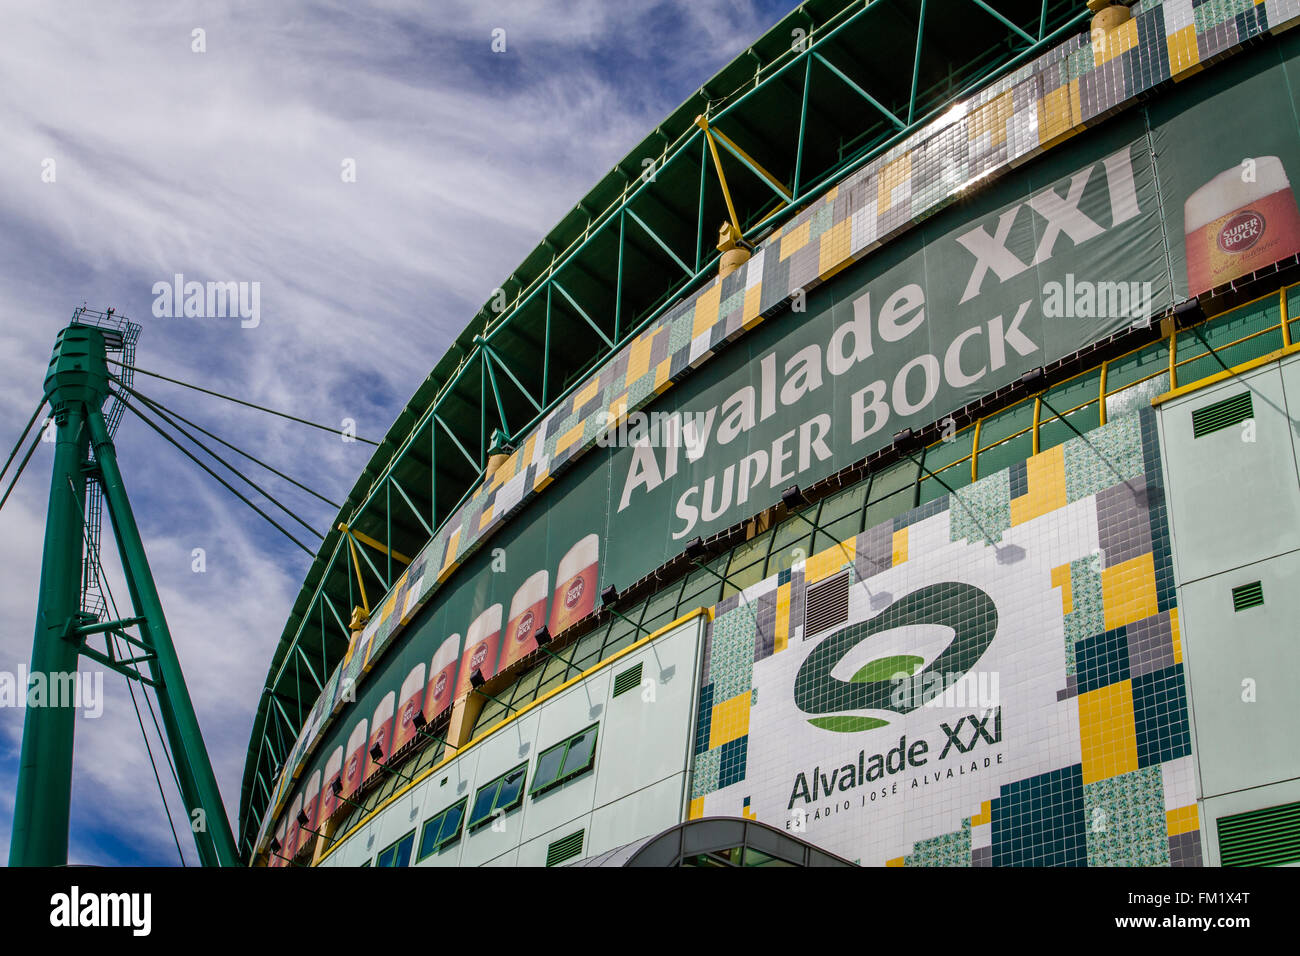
pixel 582 555
pixel 485 625
pixel 334 764
pixel 414 681
pixel 359 736
pixel 1228 192
pixel 384 710
pixel 447 652
pixel 530 592
pixel 313 786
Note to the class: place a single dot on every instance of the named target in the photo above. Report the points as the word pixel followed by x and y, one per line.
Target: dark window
pixel 504 793
pixel 399 854
pixel 442 829
pixel 565 760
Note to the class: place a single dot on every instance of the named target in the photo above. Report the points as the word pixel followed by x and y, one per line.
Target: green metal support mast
pixel 77 386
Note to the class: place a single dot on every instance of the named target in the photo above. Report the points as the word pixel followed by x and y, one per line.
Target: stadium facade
pixel 947 518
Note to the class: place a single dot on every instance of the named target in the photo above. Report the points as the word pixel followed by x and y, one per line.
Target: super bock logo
pixel 967 610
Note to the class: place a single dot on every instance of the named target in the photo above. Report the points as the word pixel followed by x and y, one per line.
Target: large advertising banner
pixel 1229 149
pixel 992 679
pixel 1157 204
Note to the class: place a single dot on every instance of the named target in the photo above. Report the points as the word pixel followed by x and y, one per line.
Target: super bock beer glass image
pixel 1243 219
pixel 527 612
pixel 442 678
pixel 575 584
pixel 408 703
pixel 481 645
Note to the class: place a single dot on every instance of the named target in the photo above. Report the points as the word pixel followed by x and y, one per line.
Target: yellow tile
pixel 706 309
pixel 1128 591
pixel 585 394
pixel 782 636
pixel 697 809
pixel 991 118
pixel 1115 42
pixel 1061 579
pixel 891 176
pixel 1184 56
pixel 1107 732
pixel 1059 113
pixel 896 861
pixel 730 720
pixel 542 480
pixel 795 239
pixel 749 813
pixel 1046 479
pixel 452 544
pixel 749 311
pixel 638 356
pixel 836 243
pixel 984 816
pixel 661 374
pixel 900 546
pixel 529 448
pixel 486 518
pixel 571 437
pixel 828 562
pixel 1182 820
pixel 833 192
pixel 1177 635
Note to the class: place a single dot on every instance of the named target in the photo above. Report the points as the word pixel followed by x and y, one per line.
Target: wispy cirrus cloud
pixel 226 165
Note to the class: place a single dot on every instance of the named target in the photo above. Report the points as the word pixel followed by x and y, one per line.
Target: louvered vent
pixel 1221 415
pixel 1247 596
pixel 828 605
pixel 1267 837
pixel 565 848
pixel 628 680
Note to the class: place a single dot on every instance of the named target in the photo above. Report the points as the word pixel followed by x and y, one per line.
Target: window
pixel 399 854
pixel 565 760
pixel 504 793
pixel 442 829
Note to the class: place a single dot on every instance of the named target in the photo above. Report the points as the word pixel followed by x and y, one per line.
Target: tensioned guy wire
pixel 240 401
pixel 185 451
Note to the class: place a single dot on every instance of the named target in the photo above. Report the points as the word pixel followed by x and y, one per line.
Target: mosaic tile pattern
pixel 1038 106
pixel 1117 784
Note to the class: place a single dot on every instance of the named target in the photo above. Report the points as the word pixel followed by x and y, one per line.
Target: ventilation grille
pixel 828 605
pixel 565 848
pixel 1247 596
pixel 1221 415
pixel 628 680
pixel 1267 837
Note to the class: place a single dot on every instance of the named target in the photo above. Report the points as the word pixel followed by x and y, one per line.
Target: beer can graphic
pixel 333 771
pixel 409 700
pixel 527 614
pixel 442 678
pixel 381 733
pixel 291 833
pixel 1234 227
pixel 310 803
pixel 575 584
pixel 482 641
pixel 354 759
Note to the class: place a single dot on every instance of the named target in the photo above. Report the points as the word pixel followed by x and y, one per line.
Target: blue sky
pixel 225 165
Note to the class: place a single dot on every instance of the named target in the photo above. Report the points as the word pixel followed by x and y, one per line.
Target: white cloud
pixel 226 165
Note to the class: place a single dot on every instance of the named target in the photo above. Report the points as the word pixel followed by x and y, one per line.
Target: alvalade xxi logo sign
pixel 967 610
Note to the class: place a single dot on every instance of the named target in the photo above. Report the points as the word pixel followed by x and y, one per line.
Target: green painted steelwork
pixel 77 386
pixel 808 131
